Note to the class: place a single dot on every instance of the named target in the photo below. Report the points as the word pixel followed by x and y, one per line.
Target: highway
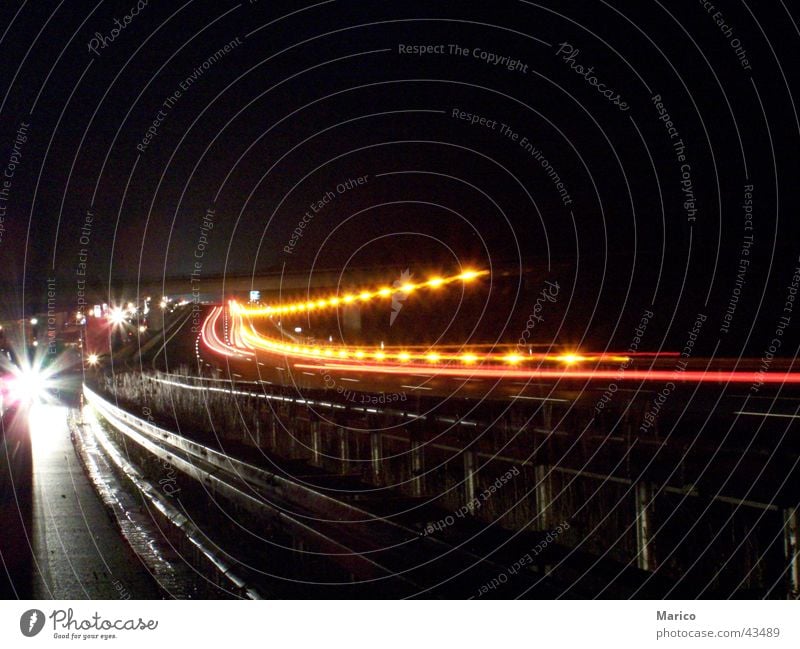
pixel 68 547
pixel 347 458
pixel 260 342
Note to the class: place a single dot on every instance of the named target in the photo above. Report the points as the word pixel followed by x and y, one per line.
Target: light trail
pixel 508 363
pixel 406 357
pixel 674 376
pixel 354 297
pixel 211 339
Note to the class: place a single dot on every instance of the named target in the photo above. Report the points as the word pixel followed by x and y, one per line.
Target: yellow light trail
pixel 245 336
pixel 334 301
pixel 251 339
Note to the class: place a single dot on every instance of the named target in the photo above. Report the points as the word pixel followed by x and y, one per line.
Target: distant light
pixel 379 356
pixel 513 358
pixel 142 328
pixel 433 357
pixel 467 275
pixel 469 358
pixel 385 291
pixel 435 282
pixel 34 321
pixel 298 330
pixel 404 356
pixel 407 287
pixel 93 359
pixel 365 295
pixel 116 316
pixel 35 343
pixel 571 358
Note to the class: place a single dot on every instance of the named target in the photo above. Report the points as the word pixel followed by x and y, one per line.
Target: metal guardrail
pixel 192 533
pixel 303 511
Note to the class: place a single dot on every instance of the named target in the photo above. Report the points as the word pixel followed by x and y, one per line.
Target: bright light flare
pixel 29 384
pixel 469 275
pixel 117 316
pixel 93 359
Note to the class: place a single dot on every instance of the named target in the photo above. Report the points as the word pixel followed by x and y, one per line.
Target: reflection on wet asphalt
pixel 78 551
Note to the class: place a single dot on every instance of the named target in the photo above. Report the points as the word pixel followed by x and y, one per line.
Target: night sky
pixel 641 154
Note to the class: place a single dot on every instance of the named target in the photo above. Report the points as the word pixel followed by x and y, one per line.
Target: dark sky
pixel 309 96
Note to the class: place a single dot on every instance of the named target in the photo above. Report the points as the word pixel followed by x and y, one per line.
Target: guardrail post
pixel 376 455
pixel 470 479
pixel 344 450
pixel 547 415
pixel 643 492
pixel 544 495
pixel 417 467
pixel 791 546
pixel 315 442
pixel 258 430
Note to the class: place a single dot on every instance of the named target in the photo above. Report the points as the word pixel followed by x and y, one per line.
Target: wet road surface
pixel 78 552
